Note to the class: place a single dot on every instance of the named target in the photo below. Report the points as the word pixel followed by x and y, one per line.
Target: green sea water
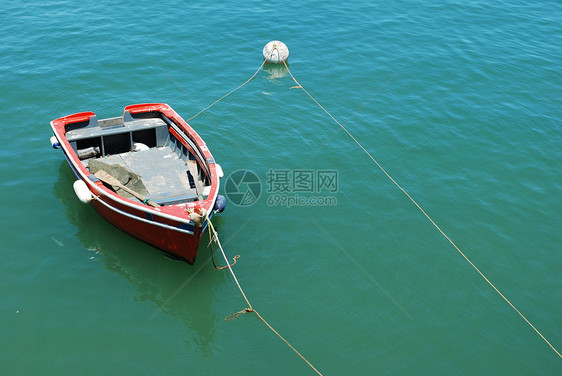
pixel 460 102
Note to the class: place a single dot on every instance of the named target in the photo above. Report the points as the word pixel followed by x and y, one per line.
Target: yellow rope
pixel 250 308
pixel 226 95
pixel 229 266
pixel 216 237
pixel 288 344
pixel 423 211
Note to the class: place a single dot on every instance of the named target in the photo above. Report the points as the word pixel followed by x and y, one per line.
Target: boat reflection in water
pixel 176 288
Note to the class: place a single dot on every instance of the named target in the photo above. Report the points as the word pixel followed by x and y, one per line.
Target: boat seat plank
pixel 173 198
pixel 90 132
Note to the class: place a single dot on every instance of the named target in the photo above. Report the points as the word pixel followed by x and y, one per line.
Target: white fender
pixel 220 173
pixel 54 142
pixel 82 191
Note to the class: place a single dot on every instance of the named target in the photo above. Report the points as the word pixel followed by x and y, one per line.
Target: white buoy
pixel 275 52
pixel 82 191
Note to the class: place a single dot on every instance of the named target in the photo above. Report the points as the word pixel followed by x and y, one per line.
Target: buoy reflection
pixel 275 70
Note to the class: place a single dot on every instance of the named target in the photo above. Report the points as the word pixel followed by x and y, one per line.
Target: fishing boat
pixel 147 172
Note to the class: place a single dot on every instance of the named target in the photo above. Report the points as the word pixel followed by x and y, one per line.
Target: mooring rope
pixel 226 95
pixel 213 254
pixel 250 308
pixel 423 211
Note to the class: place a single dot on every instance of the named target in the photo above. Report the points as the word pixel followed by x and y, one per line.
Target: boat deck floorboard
pixel 163 173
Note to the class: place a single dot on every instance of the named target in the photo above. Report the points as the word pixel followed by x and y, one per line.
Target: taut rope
pixel 226 95
pixel 423 211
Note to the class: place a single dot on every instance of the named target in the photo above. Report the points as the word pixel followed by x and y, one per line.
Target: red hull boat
pixel 147 172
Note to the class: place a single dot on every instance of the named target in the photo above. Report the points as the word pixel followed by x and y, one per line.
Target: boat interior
pixel 143 153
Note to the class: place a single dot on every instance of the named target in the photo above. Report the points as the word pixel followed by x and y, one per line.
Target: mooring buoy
pixel 275 52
